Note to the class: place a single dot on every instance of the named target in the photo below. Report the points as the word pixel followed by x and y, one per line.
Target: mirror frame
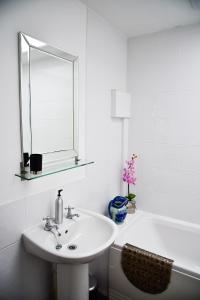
pixel 25 95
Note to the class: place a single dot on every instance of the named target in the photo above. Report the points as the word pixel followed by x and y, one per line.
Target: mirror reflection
pixel 52 102
pixel 48 96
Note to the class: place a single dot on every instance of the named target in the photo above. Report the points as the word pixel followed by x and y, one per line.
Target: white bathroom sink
pixel 90 234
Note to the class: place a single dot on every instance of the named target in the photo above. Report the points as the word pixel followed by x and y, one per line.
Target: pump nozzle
pixel 59 191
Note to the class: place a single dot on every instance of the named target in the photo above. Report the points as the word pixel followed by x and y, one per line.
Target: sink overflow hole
pixel 72 247
pixel 58 246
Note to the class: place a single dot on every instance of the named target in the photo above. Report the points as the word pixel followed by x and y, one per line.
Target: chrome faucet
pixel 49 226
pixel 69 213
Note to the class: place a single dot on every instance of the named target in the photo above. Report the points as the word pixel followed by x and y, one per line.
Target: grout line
pixel 12 244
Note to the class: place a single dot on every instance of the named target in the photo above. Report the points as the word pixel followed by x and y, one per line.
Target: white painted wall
pixel 68 34
pixel 63 24
pixel 163 78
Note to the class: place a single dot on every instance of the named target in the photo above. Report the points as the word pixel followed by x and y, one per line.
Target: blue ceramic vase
pixel 117 209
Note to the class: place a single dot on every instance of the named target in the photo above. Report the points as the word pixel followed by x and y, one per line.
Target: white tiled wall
pixel 22 276
pixel 163 78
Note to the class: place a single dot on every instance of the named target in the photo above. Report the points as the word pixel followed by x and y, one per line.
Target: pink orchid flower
pixel 129 171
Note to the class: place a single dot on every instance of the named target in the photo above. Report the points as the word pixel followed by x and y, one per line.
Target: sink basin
pixel 83 238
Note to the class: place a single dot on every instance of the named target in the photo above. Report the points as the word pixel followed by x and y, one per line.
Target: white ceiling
pixel 137 17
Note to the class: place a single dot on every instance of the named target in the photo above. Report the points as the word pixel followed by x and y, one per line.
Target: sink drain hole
pixel 72 247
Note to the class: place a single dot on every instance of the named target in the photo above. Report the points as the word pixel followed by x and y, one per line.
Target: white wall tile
pixel 10 279
pixel 23 276
pixel 163 72
pixel 13 222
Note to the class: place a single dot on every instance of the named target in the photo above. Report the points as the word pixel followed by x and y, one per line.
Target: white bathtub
pixel 168 237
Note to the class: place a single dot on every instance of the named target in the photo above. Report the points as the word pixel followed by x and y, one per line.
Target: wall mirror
pixel 48 101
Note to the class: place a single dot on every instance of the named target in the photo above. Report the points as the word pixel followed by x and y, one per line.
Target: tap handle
pixel 69 211
pixel 48 219
pixel 69 208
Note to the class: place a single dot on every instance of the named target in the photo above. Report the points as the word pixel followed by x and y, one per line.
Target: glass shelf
pixel 54 169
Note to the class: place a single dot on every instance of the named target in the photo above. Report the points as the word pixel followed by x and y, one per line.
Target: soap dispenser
pixel 59 208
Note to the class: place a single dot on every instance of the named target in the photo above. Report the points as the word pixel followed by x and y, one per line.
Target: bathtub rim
pixel 131 219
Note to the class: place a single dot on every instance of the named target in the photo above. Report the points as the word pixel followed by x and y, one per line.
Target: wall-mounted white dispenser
pixel 121 108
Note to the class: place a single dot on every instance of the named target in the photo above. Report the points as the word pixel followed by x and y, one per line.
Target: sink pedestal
pixel 72 282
